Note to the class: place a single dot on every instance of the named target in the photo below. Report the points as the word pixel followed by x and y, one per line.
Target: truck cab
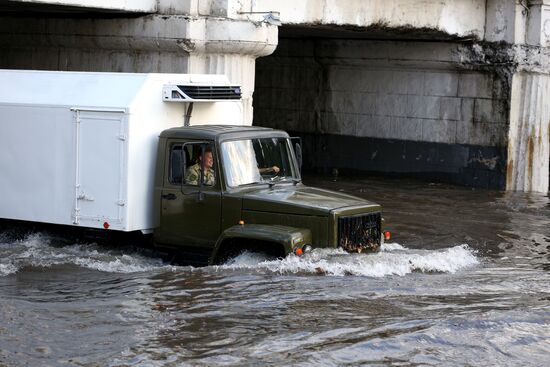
pixel 221 190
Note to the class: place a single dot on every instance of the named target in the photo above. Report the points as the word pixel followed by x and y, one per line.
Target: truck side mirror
pixel 297 145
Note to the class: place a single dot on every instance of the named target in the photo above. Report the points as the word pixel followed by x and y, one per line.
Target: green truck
pixel 255 202
pixel 117 153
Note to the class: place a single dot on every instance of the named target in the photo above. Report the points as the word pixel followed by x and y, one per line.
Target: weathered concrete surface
pixel 412 94
pixel 538 31
pixel 528 149
pixel 409 107
pixel 386 90
pixel 151 43
pixel 525 70
pixel 458 106
pixel 505 21
pixel 138 6
pixel 461 18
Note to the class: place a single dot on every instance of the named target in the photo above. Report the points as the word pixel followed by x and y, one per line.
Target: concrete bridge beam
pixel 464 18
pixel 153 43
pixel 123 6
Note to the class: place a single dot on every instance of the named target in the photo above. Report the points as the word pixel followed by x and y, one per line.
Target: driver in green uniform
pixel 193 174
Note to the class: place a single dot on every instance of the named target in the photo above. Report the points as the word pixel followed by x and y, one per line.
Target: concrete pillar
pixel 231 48
pixel 506 21
pixel 529 133
pixel 538 29
pixel 528 139
pixel 239 68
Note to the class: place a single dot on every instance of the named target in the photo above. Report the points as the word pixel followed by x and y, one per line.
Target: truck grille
pixel 359 232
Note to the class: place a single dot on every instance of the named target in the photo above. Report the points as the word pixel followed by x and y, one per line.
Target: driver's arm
pixel 274 169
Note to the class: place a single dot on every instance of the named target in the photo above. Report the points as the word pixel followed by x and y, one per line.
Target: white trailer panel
pixel 80 148
pixel 35 161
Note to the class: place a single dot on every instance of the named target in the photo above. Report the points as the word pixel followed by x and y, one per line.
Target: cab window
pixel 198 158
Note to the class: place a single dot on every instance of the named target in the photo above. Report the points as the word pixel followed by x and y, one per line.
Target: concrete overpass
pixel 80 6
pixel 449 89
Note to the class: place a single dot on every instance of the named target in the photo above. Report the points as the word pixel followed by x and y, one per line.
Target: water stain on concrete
pixel 530 152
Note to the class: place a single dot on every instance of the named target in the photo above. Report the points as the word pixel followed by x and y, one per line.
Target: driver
pixel 193 174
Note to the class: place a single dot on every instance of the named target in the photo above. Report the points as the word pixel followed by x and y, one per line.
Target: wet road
pixel 465 281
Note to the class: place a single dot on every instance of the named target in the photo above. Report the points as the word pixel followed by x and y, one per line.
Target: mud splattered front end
pixel 357 229
pixel 335 219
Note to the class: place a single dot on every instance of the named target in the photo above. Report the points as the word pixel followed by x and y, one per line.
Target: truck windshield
pixel 265 160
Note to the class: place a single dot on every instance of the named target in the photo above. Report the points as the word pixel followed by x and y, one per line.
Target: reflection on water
pixel 465 281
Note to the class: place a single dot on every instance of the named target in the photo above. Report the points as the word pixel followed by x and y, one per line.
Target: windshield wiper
pixel 273 180
pixel 254 183
pixel 278 179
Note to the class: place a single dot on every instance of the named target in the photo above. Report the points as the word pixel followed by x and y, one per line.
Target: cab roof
pixel 221 132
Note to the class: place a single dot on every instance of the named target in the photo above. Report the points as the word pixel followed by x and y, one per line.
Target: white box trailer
pixel 79 148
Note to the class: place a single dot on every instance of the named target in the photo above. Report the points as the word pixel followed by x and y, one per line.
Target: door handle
pixel 169 196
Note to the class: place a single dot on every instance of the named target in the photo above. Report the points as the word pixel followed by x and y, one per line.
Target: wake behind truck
pixel 113 151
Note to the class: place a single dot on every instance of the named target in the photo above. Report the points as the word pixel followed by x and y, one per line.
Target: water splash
pixel 6 269
pixel 393 259
pixel 37 250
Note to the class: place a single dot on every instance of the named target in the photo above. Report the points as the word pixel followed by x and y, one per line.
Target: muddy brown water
pixel 464 282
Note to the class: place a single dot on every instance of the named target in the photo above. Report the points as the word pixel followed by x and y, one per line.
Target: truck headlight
pixel 296 240
pixel 299 251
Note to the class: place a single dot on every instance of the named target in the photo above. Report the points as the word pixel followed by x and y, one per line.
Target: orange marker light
pixel 298 252
pixel 106 225
pixel 241 222
pixel 387 235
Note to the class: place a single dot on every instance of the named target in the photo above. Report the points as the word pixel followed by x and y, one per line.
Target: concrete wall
pixel 436 108
pixel 529 136
pixel 139 6
pixel 152 43
pixel 387 106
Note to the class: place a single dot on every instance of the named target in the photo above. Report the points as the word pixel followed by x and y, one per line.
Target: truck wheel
pixel 235 247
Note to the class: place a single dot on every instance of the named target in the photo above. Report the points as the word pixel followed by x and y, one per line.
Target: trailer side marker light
pixel 106 225
pixel 241 222
pixel 299 251
pixel 387 235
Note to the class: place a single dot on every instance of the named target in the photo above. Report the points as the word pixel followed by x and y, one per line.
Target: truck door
pixel 100 158
pixel 190 209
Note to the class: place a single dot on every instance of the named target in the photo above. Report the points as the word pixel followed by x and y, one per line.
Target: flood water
pixel 464 282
